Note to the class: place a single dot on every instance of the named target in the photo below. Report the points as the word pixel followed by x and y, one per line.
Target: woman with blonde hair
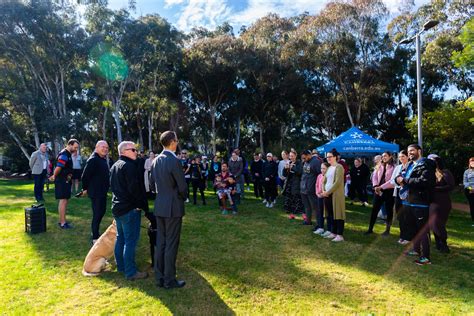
pixel 468 181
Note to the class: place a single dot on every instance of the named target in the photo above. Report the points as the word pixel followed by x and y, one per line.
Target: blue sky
pixel 186 14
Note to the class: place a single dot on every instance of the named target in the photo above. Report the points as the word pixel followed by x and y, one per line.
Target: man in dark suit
pixel 95 184
pixel 171 192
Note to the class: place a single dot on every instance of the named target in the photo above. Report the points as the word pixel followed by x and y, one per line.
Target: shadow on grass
pixel 197 297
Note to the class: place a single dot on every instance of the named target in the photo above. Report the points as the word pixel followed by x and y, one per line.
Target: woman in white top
pixel 148 162
pixel 76 171
pixel 281 167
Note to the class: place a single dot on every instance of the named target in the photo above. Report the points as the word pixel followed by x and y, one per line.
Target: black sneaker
pixel 65 226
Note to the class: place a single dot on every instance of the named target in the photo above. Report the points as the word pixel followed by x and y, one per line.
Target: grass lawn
pixel 255 263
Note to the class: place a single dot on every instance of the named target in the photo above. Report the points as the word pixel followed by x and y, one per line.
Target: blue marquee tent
pixel 355 142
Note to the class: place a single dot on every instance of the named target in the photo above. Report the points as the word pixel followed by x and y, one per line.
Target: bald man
pixel 95 184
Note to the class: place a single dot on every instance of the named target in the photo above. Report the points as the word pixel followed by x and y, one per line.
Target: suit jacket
pixel 96 176
pixel 37 162
pixel 171 190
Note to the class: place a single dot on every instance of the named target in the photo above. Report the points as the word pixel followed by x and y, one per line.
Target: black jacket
pixel 360 175
pixel 127 191
pixel 293 177
pixel 421 182
pixel 256 167
pixel 311 170
pixel 270 170
pixel 96 176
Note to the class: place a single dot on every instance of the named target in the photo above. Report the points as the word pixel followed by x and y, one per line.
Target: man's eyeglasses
pixel 329 156
pixel 132 149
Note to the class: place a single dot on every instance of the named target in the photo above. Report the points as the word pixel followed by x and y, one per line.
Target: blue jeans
pixel 39 185
pixel 128 234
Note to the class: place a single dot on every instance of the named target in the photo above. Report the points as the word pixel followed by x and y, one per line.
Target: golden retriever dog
pixel 102 250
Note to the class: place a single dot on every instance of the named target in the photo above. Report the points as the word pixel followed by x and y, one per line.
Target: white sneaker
pixel 265 201
pixel 270 205
pixel 267 204
pixel 403 242
pixel 338 238
pixel 325 234
pixel 330 236
pixel 319 231
pixel 365 204
pixel 187 201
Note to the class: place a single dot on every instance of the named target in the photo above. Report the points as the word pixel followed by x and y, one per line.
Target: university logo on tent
pixel 356 135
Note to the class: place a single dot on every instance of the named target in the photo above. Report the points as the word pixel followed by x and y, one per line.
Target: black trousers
pixel 421 241
pixel 168 233
pixel 310 202
pixel 258 187
pixel 406 220
pixel 470 198
pixel 439 215
pixel 388 200
pixel 99 205
pixel 198 184
pixel 270 190
pixel 358 189
pixel 338 227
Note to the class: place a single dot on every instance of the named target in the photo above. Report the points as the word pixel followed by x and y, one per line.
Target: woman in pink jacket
pixel 383 192
pixel 319 228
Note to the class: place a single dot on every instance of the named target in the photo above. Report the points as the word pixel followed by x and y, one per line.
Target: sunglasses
pixel 132 149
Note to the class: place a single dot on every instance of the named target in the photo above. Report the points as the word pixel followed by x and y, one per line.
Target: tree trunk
pixel 140 132
pixel 104 124
pixel 261 138
pixel 150 130
pixel 237 133
pixel 116 116
pixel 17 141
pixel 213 128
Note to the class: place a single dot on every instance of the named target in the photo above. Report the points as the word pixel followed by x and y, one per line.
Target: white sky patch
pixel 170 3
pixel 207 13
pixel 284 8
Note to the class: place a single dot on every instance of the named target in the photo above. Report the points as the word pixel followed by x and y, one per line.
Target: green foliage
pixel 448 132
pixel 465 57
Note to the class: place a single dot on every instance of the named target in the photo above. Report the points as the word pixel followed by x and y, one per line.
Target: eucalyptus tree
pixel 211 65
pixel 271 82
pixel 43 41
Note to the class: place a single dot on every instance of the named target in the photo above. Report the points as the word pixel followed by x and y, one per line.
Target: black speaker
pixel 35 219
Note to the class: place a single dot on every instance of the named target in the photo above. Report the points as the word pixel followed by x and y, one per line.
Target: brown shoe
pixel 138 275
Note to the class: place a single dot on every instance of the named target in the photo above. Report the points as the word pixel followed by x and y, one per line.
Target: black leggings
pixel 387 199
pixel 198 184
pixel 359 189
pixel 470 198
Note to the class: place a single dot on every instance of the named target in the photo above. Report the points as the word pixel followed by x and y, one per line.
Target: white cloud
pixel 170 3
pixel 286 8
pixel 208 13
pixel 211 13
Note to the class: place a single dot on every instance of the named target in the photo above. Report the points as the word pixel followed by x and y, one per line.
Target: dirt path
pixel 461 206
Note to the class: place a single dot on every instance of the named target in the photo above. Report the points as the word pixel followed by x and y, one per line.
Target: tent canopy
pixel 355 142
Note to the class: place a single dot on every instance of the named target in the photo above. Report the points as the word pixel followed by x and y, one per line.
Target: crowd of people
pixel 414 189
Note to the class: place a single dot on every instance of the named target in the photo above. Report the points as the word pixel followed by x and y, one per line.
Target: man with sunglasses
pixel 128 200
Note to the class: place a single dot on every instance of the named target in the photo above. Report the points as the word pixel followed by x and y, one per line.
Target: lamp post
pixel 428 25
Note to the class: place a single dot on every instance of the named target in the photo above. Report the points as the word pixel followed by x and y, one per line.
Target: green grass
pixel 255 263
